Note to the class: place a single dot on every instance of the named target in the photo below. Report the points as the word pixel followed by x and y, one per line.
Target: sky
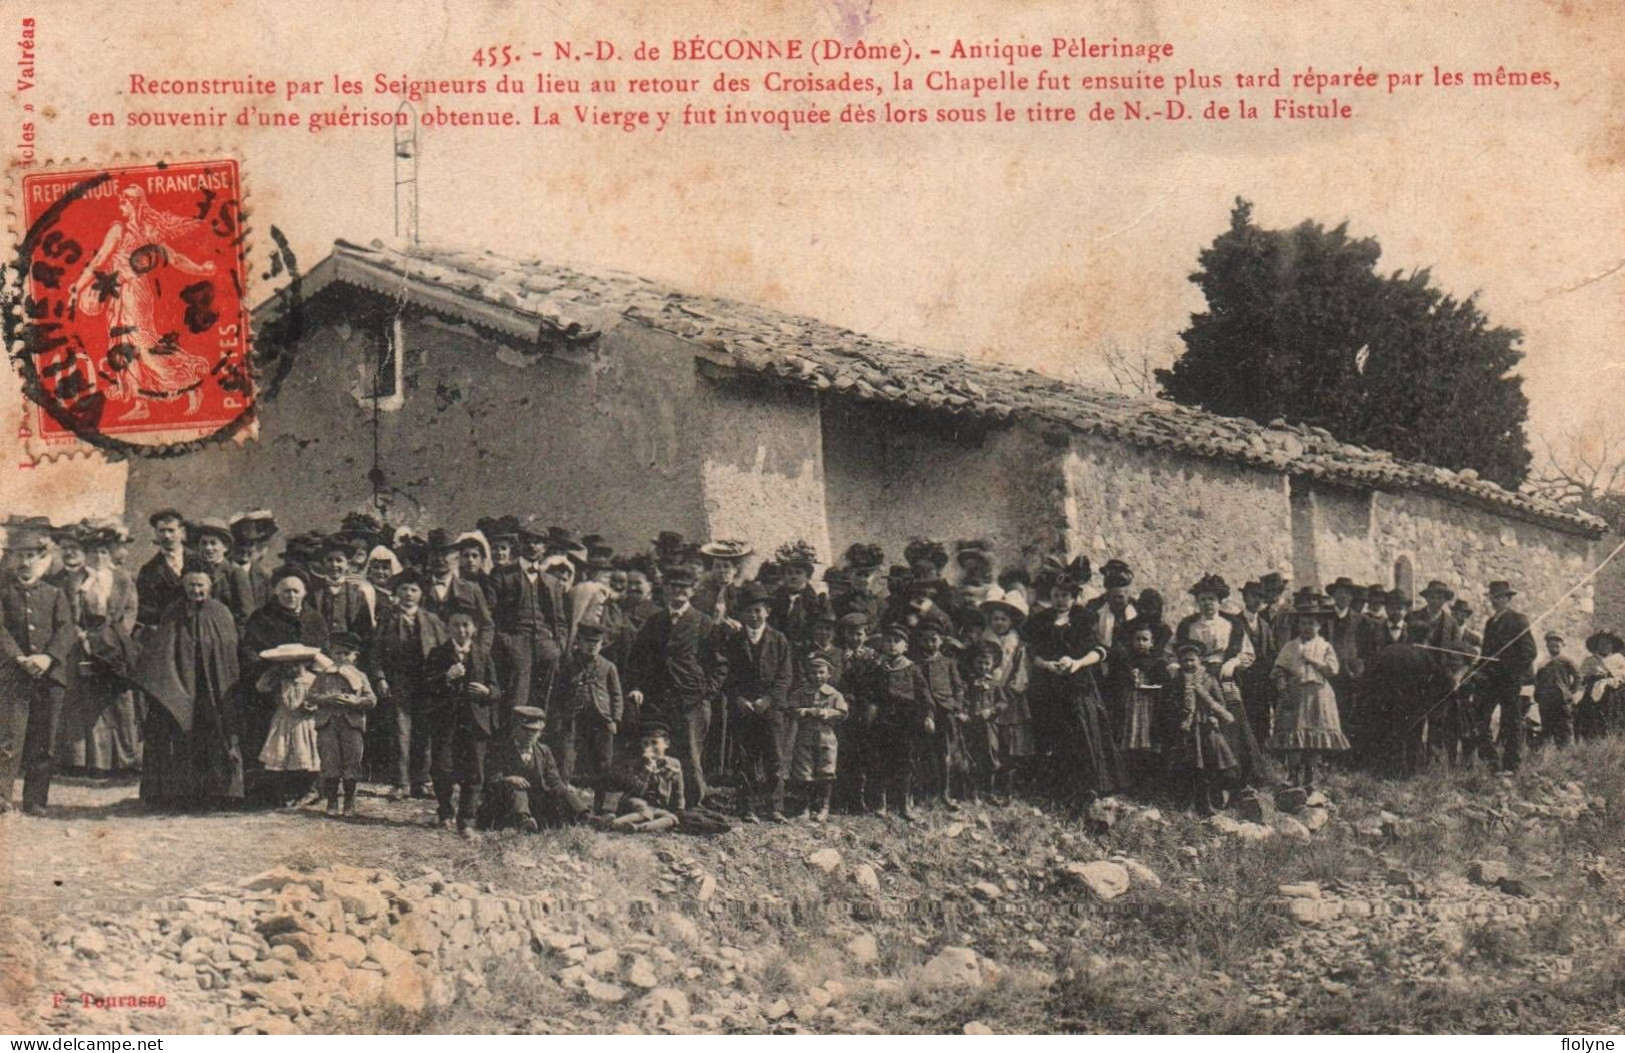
pixel 1041 245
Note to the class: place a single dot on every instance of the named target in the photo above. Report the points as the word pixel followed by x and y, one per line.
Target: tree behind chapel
pixel 1301 326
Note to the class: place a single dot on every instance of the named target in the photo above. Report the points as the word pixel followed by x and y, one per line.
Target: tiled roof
pixel 531 299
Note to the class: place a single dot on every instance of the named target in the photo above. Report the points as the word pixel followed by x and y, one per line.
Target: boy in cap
pixel 523 787
pixel 462 720
pixel 900 716
pixel 1557 692
pixel 816 707
pixel 37 634
pixel 342 694
pixel 652 799
pixel 985 700
pixel 940 672
pixel 591 712
pixel 1199 717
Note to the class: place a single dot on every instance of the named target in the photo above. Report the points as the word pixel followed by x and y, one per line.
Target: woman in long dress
pixel 286 619
pixel 1306 722
pixel 100 728
pixel 1227 652
pixel 1066 653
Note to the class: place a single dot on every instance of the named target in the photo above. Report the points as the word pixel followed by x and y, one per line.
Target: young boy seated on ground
pixel 343 694
pixel 523 787
pixel 652 796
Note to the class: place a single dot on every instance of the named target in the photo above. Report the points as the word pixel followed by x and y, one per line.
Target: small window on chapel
pixel 380 370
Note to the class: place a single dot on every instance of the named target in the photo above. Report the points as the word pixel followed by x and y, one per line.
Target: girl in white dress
pixel 1306 723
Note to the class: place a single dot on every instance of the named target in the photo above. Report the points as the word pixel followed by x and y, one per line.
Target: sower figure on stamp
pixel 674 675
pixel 36 635
pixel 760 672
pixel 1509 656
pixel 523 787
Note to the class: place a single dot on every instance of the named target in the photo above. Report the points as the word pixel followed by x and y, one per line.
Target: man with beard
pixel 673 667
pixel 37 633
pixel 193 753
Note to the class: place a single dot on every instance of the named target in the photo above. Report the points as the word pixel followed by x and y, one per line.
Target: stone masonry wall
pixel 890 479
pixel 1175 518
pixel 1467 549
pixel 602 441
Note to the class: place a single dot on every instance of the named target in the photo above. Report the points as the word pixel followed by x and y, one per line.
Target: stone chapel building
pixel 466 384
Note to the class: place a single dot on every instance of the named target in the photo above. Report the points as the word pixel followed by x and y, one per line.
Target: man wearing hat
pixel 1396 612
pixel 1444 632
pixel 445 593
pixel 523 786
pixel 1509 652
pixel 673 674
pixel 1255 681
pixel 531 624
pixel 251 533
pixel 229 583
pixel 1403 681
pixel 408 634
pixel 158 582
pixel 756 691
pixel 37 633
pixel 1350 635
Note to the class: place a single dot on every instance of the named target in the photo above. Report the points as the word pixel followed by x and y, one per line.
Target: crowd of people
pixel 515 675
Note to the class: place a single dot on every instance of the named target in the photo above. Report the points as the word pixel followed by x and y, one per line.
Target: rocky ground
pixel 1453 902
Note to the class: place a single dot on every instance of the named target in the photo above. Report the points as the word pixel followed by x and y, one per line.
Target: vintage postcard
pixel 829 518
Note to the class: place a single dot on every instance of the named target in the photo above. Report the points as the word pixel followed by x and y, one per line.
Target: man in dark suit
pixel 1510 653
pixel 37 632
pixel 524 787
pixel 673 674
pixel 462 720
pixel 1257 690
pixel 532 621
pixel 158 582
pixel 757 690
pixel 399 656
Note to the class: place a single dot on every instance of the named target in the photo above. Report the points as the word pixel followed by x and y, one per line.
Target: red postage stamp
pixel 134 335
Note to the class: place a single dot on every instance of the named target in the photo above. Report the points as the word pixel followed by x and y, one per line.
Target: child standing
pixel 1601 675
pixel 1201 715
pixel 984 701
pixel 343 694
pixel 817 707
pixel 1557 691
pixel 1013 720
pixel 462 720
pixel 947 693
pixel 594 703
pixel 901 719
pixel 1306 722
pixel 1137 680
pixel 291 745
